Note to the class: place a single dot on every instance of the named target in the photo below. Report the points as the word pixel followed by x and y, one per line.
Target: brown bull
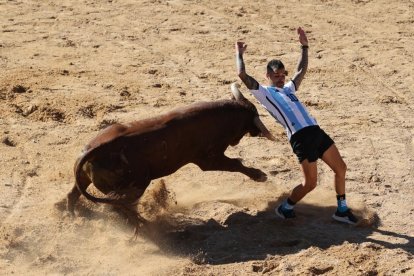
pixel 123 159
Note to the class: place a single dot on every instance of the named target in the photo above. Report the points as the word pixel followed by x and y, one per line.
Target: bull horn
pixel 236 92
pixel 263 129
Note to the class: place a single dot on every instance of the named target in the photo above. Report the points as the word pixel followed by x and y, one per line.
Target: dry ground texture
pixel 69 68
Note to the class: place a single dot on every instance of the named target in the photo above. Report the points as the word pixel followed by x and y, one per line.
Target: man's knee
pixel 310 184
pixel 341 169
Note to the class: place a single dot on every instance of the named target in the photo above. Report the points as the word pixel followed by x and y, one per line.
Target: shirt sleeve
pixel 291 86
pixel 260 93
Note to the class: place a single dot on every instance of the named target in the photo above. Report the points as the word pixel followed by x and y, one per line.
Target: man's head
pixel 276 73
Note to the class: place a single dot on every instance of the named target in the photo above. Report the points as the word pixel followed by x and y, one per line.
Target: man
pixel 309 142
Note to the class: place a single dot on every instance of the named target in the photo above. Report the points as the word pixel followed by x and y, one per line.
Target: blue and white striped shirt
pixel 285 107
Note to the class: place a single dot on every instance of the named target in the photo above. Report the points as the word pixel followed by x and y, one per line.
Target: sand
pixel 70 68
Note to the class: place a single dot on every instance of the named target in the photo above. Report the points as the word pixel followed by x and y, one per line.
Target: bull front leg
pixel 224 163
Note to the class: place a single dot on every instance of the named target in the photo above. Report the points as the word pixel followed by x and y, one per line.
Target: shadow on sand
pixel 244 237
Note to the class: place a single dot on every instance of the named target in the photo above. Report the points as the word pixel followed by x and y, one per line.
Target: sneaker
pixel 285 213
pixel 346 217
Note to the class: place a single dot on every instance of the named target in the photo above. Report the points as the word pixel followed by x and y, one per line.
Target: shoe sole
pixel 343 219
pixel 279 214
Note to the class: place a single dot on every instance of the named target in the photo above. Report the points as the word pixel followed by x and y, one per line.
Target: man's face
pixel 276 77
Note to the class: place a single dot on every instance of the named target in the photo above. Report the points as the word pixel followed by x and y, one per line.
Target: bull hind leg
pixel 224 163
pixel 133 218
pixel 131 215
pixel 126 202
pixel 74 194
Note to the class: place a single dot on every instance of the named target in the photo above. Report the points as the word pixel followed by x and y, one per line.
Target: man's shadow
pixel 244 237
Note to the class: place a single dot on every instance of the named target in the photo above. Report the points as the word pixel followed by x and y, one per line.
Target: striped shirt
pixel 285 107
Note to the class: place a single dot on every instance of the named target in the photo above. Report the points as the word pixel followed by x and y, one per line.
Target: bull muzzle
pixel 258 123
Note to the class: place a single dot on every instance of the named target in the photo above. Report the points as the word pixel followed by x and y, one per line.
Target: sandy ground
pixel 69 68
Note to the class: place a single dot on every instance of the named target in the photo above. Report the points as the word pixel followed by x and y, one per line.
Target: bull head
pixel 258 123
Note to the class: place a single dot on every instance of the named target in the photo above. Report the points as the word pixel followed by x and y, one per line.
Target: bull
pixel 123 159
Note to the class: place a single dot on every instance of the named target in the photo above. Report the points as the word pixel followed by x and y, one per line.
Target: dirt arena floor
pixel 70 68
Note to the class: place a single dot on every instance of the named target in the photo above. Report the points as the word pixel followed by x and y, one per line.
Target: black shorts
pixel 310 143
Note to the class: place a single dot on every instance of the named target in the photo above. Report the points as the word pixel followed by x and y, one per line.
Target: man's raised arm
pixel 250 82
pixel 302 66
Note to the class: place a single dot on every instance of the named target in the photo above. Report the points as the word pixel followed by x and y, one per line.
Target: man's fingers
pixel 241 46
pixel 302 36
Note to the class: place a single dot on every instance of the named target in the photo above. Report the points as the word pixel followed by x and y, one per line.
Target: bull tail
pixel 82 188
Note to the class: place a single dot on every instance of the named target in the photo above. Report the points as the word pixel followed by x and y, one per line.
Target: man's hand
pixel 302 37
pixel 240 47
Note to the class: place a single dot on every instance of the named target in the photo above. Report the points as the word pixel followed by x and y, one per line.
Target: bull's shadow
pixel 244 237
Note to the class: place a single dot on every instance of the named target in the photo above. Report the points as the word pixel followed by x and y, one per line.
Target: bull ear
pixel 263 129
pixel 236 92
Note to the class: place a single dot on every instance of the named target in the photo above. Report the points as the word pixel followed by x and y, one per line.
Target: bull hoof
pixel 61 205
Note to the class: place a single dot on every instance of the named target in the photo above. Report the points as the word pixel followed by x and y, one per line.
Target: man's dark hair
pixel 275 64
